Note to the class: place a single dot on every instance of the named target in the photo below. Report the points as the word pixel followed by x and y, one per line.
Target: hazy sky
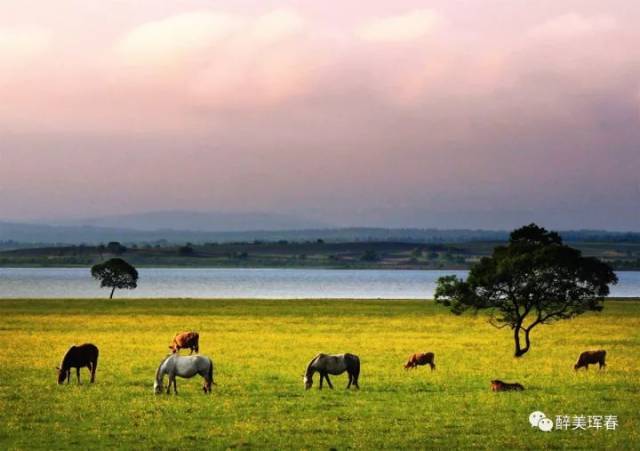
pixel 403 113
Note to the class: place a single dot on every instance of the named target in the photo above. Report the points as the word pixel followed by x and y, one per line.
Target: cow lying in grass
pixel 185 340
pixel 591 358
pixel 419 360
pixel 498 385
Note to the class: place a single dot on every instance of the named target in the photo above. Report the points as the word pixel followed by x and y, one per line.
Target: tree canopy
pixel 534 279
pixel 116 248
pixel 370 255
pixel 115 273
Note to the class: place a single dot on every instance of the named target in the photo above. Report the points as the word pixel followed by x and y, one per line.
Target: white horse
pixel 333 364
pixel 184 366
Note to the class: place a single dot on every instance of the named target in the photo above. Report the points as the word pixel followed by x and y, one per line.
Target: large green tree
pixel 115 273
pixel 535 279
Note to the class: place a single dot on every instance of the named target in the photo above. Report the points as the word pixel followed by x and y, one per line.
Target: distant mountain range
pixel 198 221
pixel 196 227
pixel 20 234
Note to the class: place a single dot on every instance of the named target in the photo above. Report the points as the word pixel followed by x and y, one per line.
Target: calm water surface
pixel 246 283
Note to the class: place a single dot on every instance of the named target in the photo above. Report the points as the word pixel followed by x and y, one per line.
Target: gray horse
pixel 184 366
pixel 333 364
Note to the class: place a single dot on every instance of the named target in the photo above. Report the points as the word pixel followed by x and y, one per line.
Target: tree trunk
pixel 520 351
pixel 114 289
pixel 527 343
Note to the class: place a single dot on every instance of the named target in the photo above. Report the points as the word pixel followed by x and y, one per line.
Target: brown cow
pixel 498 385
pixel 591 357
pixel 185 340
pixel 419 359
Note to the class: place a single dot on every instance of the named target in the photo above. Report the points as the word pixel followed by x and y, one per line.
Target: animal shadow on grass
pixel 289 395
pixel 426 388
pixel 383 389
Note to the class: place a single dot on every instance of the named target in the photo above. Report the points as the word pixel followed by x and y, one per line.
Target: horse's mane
pixel 161 363
pixel 66 356
pixel 311 363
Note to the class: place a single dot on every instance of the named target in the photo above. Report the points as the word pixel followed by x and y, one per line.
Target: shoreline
pixel 332 268
pixel 257 299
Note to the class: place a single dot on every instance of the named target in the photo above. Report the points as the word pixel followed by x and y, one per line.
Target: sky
pixel 465 114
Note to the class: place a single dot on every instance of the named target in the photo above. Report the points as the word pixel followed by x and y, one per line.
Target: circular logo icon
pixel 535 418
pixel 545 425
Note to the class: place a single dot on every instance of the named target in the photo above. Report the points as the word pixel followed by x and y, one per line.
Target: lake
pixel 246 283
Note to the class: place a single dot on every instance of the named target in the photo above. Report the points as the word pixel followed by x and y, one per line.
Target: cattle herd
pixel 86 356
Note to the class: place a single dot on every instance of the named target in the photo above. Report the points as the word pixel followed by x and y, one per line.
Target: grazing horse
pixel 420 359
pixel 333 364
pixel 591 357
pixel 184 366
pixel 185 340
pixel 498 385
pixel 77 357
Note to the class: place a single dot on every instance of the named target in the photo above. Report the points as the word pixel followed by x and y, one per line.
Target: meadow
pixel 261 348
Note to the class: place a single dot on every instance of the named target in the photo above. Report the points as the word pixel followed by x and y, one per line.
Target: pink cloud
pixel 20 48
pixel 223 61
pixel 374 103
pixel 404 27
pixel 573 25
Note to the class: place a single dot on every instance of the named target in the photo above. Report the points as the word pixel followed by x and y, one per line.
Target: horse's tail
pixel 95 360
pixel 356 365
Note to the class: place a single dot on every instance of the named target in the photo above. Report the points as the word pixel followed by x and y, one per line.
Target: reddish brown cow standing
pixel 419 359
pixel 185 340
pixel 591 358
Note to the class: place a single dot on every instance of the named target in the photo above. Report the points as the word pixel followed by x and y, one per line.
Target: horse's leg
pixel 206 386
pixel 321 379
pixel 350 380
pixel 175 385
pixel 69 375
pixel 328 381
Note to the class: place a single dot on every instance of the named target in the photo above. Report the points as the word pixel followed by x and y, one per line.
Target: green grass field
pixel 261 348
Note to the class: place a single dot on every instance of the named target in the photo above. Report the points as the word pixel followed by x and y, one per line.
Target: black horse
pixel 333 364
pixel 77 357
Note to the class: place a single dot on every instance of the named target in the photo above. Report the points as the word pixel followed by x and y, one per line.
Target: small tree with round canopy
pixel 115 273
